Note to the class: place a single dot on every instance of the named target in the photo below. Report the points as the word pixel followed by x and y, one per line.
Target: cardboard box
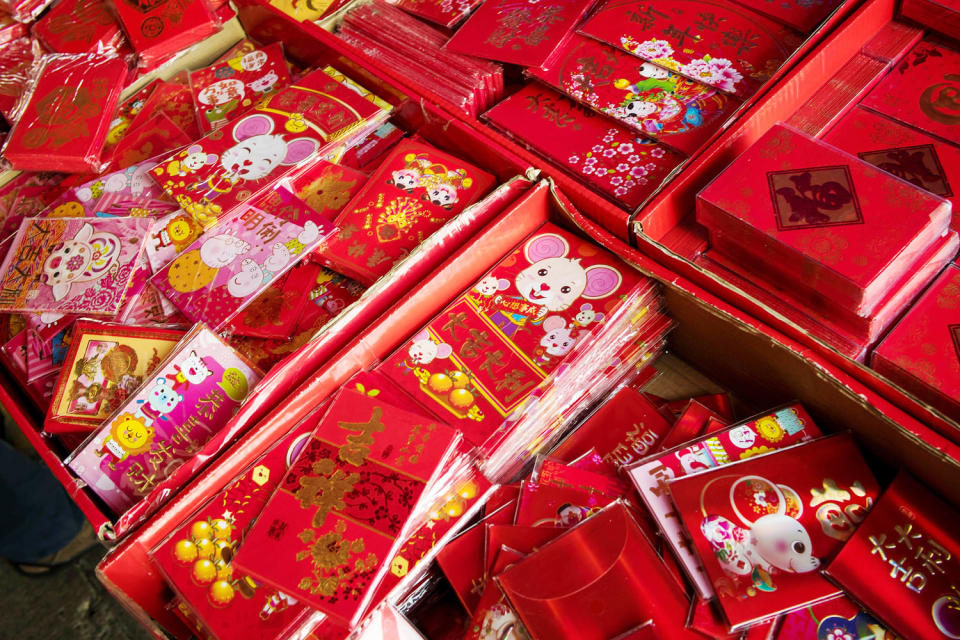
pixel 714 340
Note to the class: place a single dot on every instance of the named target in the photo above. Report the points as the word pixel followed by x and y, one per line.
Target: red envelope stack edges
pixel 327 533
pixel 160 28
pixel 922 352
pixel 849 244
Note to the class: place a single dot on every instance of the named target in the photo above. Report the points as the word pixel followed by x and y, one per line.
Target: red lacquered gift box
pixel 922 352
pixel 824 220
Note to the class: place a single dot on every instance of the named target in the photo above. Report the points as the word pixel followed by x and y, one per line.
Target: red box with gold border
pixel 711 337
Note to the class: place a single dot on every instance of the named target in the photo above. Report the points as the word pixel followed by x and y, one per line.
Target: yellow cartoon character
pixel 179 232
pixel 129 435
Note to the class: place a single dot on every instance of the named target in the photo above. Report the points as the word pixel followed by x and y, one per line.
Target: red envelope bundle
pixel 224 91
pixel 922 352
pixel 197 558
pixel 902 562
pixel 920 91
pixel 64 123
pixel 276 311
pixel 241 160
pixel 646 98
pixel 24 10
pixel 837 236
pixel 716 42
pixel 79 26
pixel 764 526
pixel 912 155
pixel 481 357
pixel 325 187
pixel 173 100
pixel 16 60
pixel 802 15
pixel 159 28
pixel 519 33
pixel 446 13
pixel 413 193
pixel 610 157
pixel 325 535
pixel 940 15
pixel 409 46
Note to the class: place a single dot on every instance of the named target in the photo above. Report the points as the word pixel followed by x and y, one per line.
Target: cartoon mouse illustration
pixel 88 256
pixel 586 316
pixel 552 283
pixel 190 160
pixel 424 350
pixel 774 542
pixel 265 83
pixel 558 339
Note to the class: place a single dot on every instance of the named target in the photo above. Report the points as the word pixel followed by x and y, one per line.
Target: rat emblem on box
pixel 814 197
pixel 919 165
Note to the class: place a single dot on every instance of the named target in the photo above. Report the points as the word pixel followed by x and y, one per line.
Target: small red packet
pixel 523 33
pixel 412 194
pixel 644 97
pixel 173 100
pixel 921 159
pixel 276 311
pixel 16 63
pixel 920 91
pixel 605 154
pixel 159 28
pixel 802 15
pixel 64 124
pixel 157 136
pixel 599 579
pixel 716 42
pixel 902 562
pixel 445 13
pixel 224 91
pixel 763 527
pixel 327 532
pixel 79 26
pixel 326 187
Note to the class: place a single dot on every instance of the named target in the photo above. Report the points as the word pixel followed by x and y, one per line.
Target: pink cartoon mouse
pixel 424 350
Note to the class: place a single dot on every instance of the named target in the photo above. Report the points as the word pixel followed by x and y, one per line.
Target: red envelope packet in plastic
pixel 597 150
pixel 716 42
pixel 902 562
pixel 239 161
pixel 229 266
pixel 927 162
pixel 79 26
pixel 328 531
pixel 173 100
pixel 64 124
pixel 196 558
pixel 72 265
pixel 763 527
pixel 159 28
pixel 599 579
pixel 446 13
pixel 157 136
pixel 276 311
pixel 127 192
pixel 920 91
pixel 179 408
pixel 523 33
pixel 835 618
pixel 326 187
pixel 105 364
pixel 644 97
pixel 546 505
pixel 802 15
pixel 16 61
pixel 412 194
pixel 224 91
pixel 481 357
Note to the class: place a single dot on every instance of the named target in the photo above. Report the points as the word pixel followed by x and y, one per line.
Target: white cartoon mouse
pixel 264 83
pixel 490 285
pixel 586 315
pixel 424 350
pixel 88 256
pixel 259 151
pixel 559 339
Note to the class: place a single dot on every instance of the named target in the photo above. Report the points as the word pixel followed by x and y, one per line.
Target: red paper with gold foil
pixel 64 124
pixel 328 531
pixel 196 558
pixel 239 161
pixel 649 99
pixel 488 350
pixel 903 563
pixel 764 527
pixel 79 26
pixel 159 28
pixel 326 187
pixel 411 195
pixel 276 311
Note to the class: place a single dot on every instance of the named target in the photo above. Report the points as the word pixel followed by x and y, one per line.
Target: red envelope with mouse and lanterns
pixel 765 526
pixel 328 532
pixel 239 161
pixel 649 99
pixel 411 195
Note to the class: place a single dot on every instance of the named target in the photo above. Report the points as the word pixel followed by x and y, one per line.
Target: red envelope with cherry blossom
pixel 649 99
pixel 413 193
pixel 764 526
pixel 715 42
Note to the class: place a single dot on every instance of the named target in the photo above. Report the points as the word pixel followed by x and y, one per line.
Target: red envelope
pixel 156 136
pixel 326 534
pixel 224 91
pixel 173 100
pixel 523 33
pixel 276 311
pixel 159 28
pixel 716 42
pixel 16 61
pixel 609 157
pixel 644 97
pixel 543 505
pixel 902 562
pixel 446 13
pixel 325 187
pixel 599 579
pixel 763 527
pixel 64 124
pixel 834 618
pixel 412 194
pixel 79 26
pixel 802 15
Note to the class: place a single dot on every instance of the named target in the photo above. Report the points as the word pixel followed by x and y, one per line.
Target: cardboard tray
pixel 761 367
